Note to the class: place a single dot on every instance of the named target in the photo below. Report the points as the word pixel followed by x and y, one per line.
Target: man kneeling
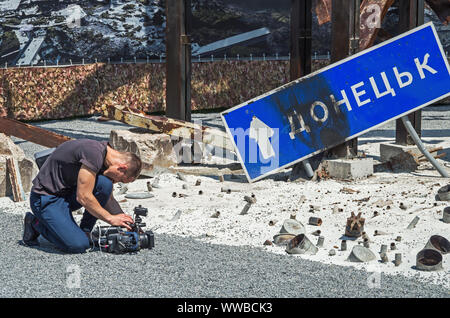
pixel 79 173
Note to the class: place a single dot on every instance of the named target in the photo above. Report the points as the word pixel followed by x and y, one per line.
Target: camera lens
pixel 146 240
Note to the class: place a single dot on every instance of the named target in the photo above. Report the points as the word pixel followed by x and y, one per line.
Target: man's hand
pixel 122 220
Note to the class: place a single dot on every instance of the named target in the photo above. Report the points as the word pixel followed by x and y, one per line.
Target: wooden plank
pixel 15 180
pixel 174 127
pixel 31 133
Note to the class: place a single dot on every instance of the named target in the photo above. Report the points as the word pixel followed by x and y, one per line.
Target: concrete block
pixel 27 167
pixel 349 168
pixel 153 149
pixel 390 150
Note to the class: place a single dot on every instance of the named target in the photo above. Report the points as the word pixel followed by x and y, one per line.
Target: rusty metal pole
pixel 411 15
pixel 344 42
pixel 178 59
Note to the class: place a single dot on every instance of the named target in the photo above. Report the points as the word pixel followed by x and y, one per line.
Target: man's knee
pixel 78 246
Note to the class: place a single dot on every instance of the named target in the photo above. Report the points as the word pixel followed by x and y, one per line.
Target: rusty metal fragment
pixel 31 133
pixel 323 11
pixel 370 11
pixel 355 225
pixel 372 14
pixel 429 260
pixel 170 126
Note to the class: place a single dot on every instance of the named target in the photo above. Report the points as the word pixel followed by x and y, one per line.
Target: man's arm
pixel 85 187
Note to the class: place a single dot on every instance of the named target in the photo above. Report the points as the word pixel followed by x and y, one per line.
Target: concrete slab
pixel 153 149
pixel 388 150
pixel 353 169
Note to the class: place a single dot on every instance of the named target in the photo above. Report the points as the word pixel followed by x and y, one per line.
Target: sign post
pixel 339 102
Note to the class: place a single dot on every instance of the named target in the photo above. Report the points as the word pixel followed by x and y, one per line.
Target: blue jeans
pixel 55 220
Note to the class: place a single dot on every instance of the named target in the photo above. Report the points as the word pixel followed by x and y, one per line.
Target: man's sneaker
pixel 30 235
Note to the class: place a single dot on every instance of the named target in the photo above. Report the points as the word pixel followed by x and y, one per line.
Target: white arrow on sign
pixel 261 133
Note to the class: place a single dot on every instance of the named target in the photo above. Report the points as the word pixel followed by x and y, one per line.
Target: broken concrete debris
pixel 155 150
pixel 176 217
pixel 15 179
pixel 181 177
pixel 27 168
pixel 361 254
pixel 155 183
pixel 381 203
pixel 139 195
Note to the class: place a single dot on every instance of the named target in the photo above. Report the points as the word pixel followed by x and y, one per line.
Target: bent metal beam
pixel 174 127
pixel 31 133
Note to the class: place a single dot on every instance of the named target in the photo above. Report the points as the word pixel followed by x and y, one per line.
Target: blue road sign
pixel 339 102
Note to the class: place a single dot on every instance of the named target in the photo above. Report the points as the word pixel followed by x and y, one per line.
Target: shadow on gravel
pixel 44 248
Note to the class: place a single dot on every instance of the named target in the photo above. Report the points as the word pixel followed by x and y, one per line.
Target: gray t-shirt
pixel 59 174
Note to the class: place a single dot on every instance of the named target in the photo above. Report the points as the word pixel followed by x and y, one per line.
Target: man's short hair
pixel 133 163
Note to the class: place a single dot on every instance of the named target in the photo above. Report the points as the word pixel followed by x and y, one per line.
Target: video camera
pixel 113 239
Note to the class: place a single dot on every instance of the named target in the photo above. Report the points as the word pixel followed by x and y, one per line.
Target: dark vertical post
pixel 301 23
pixel 300 47
pixel 178 59
pixel 344 42
pixel 411 15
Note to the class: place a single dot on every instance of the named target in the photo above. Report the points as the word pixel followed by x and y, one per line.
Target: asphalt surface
pixel 180 267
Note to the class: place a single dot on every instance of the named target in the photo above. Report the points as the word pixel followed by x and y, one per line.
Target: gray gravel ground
pixel 183 268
